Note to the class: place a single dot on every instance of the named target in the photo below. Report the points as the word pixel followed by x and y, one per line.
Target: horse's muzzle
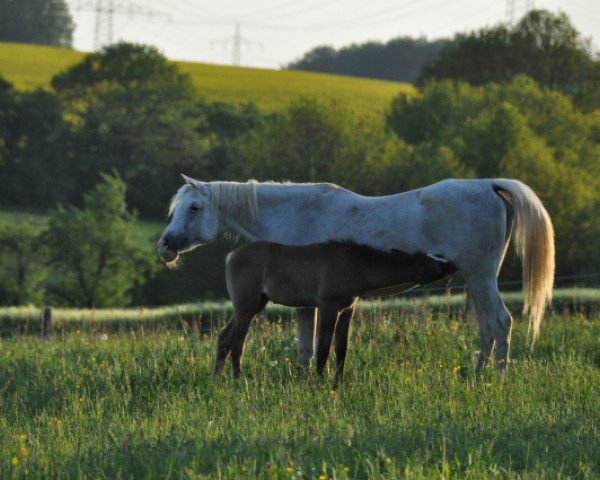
pixel 167 254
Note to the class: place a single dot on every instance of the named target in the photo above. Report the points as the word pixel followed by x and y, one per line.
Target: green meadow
pixel 29 67
pixel 141 403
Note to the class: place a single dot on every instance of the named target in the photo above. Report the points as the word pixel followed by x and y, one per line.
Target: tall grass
pixel 32 66
pixel 144 405
pixel 210 315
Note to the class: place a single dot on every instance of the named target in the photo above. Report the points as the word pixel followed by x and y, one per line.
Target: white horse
pixel 469 222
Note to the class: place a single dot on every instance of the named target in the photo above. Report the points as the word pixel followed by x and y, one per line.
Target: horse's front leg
pixel 306 335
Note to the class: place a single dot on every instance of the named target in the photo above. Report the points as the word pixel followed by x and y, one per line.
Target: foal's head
pixel 428 268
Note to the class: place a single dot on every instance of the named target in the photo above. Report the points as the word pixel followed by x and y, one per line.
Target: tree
pixel 35 164
pixel 44 22
pixel 22 263
pixel 220 125
pixel 298 144
pixel 8 107
pixel 130 110
pixel 400 59
pixel 542 45
pixel 96 250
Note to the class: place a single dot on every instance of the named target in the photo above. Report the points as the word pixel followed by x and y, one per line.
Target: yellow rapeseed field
pixel 31 66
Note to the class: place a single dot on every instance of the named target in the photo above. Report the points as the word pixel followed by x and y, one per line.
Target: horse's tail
pixel 534 242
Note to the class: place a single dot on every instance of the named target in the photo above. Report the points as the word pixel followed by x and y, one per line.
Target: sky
pixel 276 32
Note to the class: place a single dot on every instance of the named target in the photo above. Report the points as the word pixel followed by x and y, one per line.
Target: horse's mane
pixel 232 200
pixel 235 201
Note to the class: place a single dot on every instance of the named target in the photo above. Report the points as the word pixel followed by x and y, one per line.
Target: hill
pixel 32 66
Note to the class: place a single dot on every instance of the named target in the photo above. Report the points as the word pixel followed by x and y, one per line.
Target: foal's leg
pixel 341 341
pixel 238 337
pixel 306 335
pixel 244 313
pixel 495 323
pixel 223 348
pixel 327 320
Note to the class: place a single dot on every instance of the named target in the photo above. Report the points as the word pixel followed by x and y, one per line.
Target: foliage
pixel 145 406
pixel 7 114
pixel 401 59
pixel 516 130
pixel 45 22
pixel 34 159
pixel 298 144
pixel 95 249
pixel 220 124
pixel 128 107
pixel 543 45
pixel 312 141
pixel 22 263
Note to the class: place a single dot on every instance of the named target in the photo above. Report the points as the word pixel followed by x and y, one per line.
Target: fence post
pixel 47 322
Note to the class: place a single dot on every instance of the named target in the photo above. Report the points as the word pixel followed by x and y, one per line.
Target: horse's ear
pixel 196 184
pixel 189 180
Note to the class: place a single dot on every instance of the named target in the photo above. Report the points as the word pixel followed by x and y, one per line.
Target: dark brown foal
pixel 330 276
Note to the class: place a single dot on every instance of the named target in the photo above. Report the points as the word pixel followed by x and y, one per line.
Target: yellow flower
pixel 15 461
pixel 322 477
pixel 22 437
pixel 289 469
pixel 346 469
pixel 456 369
pixel 388 460
pixel 23 451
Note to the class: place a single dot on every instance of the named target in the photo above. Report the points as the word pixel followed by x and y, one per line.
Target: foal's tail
pixel 534 242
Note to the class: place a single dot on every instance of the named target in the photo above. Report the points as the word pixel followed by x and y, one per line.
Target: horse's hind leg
pixel 495 323
pixel 326 327
pixel 341 341
pixel 306 335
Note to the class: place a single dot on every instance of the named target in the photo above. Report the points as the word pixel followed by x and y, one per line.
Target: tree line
pixel 542 45
pixel 108 141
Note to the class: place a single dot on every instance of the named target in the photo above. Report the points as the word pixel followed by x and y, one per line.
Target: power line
pixel 105 11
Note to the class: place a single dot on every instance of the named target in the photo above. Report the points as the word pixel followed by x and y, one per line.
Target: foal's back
pixel 304 276
pixel 287 274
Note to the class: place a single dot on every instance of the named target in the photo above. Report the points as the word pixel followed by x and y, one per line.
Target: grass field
pixel 143 405
pixel 29 67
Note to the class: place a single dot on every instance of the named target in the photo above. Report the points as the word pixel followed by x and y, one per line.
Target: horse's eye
pixel 195 207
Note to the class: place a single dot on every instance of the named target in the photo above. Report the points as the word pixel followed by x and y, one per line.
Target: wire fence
pixel 562 281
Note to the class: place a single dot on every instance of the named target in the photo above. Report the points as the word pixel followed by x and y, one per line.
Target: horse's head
pixel 193 220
